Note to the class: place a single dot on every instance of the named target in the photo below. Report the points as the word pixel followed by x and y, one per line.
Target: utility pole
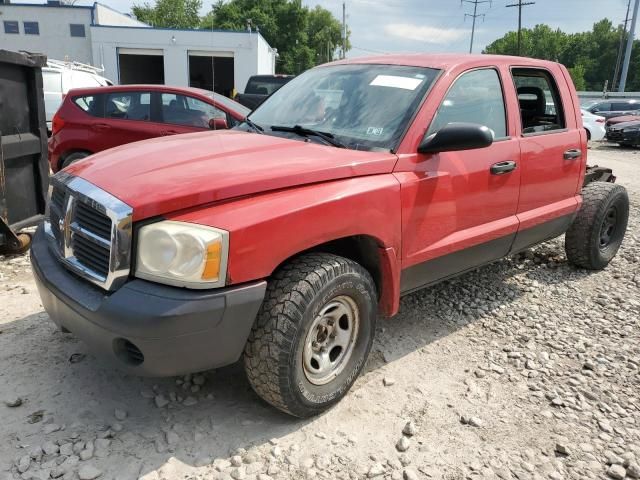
pixel 344 30
pixel 520 4
pixel 474 16
pixel 627 55
pixel 621 48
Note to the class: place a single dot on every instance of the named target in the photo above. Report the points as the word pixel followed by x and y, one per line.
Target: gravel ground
pixel 526 369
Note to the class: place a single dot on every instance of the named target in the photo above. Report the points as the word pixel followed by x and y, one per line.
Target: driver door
pixel 459 208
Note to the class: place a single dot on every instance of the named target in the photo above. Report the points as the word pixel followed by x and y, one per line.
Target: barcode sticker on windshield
pixel 393 81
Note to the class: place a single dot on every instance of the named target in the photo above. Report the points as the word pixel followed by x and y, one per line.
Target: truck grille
pixel 90 231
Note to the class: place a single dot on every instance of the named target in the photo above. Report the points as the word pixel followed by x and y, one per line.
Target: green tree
pixel 589 56
pixel 577 74
pixel 304 37
pixel 170 13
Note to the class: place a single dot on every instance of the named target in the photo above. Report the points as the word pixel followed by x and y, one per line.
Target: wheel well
pixel 362 249
pixel 64 156
pixel 588 133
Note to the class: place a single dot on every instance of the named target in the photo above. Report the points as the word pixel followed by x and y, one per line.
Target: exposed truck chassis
pixel 598 174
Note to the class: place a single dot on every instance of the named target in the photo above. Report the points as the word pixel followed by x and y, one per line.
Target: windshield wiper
pixel 254 126
pixel 306 132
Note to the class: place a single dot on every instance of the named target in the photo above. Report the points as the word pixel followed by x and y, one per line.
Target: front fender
pixel 267 229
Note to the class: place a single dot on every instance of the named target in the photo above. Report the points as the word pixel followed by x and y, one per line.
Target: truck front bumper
pixel 146 328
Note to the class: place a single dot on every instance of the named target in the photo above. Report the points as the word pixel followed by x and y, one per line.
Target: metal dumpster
pixel 24 170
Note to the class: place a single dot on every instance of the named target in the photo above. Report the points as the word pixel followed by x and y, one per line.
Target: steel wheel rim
pixel 608 227
pixel 330 340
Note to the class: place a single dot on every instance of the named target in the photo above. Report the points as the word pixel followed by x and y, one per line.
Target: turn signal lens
pixel 212 264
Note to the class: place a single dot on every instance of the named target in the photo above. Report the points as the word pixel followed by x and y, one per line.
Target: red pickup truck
pixel 282 241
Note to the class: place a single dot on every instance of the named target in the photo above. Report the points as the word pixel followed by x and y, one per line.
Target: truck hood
pixel 167 174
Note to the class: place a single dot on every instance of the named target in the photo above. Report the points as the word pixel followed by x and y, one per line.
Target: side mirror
pixel 218 123
pixel 454 137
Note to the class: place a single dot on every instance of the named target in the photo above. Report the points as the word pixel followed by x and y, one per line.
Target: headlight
pixel 631 129
pixel 182 254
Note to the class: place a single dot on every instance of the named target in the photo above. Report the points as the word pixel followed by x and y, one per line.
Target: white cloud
pixel 434 35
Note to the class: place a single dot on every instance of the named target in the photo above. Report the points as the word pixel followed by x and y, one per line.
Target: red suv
pixel 94 119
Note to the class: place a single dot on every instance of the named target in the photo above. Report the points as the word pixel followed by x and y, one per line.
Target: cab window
pixel 540 105
pixel 601 107
pixel 623 106
pixel 91 104
pixel 188 111
pixel 475 97
pixel 128 106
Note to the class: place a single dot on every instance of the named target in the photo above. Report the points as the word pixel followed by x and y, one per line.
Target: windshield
pixel 364 107
pixel 228 103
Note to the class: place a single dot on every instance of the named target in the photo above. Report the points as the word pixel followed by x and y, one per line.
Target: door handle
pixel 101 126
pixel 501 168
pixel 572 154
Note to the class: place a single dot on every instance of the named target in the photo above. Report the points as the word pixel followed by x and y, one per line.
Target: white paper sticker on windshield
pixel 393 81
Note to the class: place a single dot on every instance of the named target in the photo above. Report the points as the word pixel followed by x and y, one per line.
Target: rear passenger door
pixel 553 151
pixel 127 118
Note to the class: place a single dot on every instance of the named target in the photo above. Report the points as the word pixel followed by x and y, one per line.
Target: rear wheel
pixel 74 157
pixel 598 230
pixel 313 333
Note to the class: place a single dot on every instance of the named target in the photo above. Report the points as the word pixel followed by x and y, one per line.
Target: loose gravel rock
pixel 13 402
pixel 88 472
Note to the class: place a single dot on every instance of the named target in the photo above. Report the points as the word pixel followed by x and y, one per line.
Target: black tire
pixel 297 293
pixel 588 134
pixel 74 157
pixel 598 230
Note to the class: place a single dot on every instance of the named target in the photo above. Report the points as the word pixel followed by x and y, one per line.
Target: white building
pixel 133 52
pixel 59 31
pixel 197 58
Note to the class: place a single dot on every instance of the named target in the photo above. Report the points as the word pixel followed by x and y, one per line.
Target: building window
pixel 11 27
pixel 31 28
pixel 77 30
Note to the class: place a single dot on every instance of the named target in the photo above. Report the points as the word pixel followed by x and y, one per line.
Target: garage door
pixel 211 70
pixel 141 65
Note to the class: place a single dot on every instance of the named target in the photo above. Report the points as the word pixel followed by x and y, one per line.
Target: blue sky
pixel 440 25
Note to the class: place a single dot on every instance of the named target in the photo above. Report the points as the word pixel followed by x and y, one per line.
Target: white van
pixel 59 77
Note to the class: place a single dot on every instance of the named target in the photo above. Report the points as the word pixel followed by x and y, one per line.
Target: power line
pixel 520 4
pixel 369 50
pixel 474 16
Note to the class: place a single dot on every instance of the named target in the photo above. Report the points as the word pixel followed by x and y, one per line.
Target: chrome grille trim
pixel 62 226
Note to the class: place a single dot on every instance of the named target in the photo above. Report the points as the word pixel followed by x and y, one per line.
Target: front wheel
pixel 598 230
pixel 74 157
pixel 313 333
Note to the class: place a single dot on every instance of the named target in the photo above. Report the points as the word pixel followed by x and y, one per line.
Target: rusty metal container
pixel 24 170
